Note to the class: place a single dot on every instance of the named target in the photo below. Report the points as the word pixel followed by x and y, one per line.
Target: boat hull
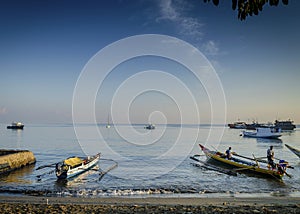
pixel 254 135
pixel 15 127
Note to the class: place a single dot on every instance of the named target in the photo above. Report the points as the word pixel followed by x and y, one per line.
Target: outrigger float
pixel 239 163
pixel 294 150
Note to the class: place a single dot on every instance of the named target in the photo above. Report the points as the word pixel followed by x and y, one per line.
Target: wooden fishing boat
pixel 248 165
pixel 294 150
pixel 73 166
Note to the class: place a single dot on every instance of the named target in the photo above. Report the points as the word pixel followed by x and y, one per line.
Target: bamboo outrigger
pixel 250 165
pixel 209 166
pixel 294 150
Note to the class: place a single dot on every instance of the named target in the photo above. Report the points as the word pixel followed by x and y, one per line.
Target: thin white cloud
pixel 210 48
pixel 175 11
pixel 168 12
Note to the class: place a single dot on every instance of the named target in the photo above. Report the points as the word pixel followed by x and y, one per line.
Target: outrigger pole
pixel 213 167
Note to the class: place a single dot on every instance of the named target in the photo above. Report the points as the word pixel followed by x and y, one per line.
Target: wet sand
pixel 34 204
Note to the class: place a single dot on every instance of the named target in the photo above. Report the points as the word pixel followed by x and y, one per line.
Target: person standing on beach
pixel 270 156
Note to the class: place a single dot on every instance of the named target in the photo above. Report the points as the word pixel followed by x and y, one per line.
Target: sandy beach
pixel 34 204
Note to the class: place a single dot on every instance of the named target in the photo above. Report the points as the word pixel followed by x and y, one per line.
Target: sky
pixel 46 45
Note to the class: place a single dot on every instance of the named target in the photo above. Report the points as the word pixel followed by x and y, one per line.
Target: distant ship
pixel 254 125
pixel 237 125
pixel 150 126
pixel 284 125
pixel 16 125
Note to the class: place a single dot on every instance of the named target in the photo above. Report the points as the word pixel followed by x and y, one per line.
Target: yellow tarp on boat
pixel 73 161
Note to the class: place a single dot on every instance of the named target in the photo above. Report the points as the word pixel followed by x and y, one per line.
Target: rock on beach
pixel 14 159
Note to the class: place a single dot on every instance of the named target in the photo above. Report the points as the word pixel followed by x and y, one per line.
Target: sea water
pixel 149 162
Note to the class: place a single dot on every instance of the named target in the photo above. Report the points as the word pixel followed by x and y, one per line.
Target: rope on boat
pixel 102 173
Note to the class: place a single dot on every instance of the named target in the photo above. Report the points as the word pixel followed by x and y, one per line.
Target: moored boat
pixel 16 125
pixel 244 164
pixel 73 166
pixel 294 150
pixel 237 125
pixel 150 126
pixel 285 125
pixel 254 125
pixel 263 132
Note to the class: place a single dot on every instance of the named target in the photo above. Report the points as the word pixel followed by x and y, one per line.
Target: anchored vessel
pixel 266 132
pixel 16 125
pixel 150 126
pixel 237 125
pixel 284 125
pixel 73 166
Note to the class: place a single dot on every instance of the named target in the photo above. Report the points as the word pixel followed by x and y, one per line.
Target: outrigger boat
pixel 294 150
pixel 73 166
pixel 244 164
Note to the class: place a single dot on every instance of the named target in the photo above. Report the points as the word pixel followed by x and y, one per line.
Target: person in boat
pixel 270 156
pixel 228 153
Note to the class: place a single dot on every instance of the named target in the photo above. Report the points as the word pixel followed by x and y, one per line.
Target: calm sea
pixel 150 162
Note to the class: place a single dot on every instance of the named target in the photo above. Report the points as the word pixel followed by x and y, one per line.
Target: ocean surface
pixel 150 162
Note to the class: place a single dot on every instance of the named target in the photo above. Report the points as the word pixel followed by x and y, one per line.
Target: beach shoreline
pixel 37 204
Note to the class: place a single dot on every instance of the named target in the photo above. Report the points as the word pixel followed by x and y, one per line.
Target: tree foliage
pixel 249 7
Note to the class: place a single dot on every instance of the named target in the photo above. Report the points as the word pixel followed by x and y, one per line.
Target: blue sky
pixel 44 45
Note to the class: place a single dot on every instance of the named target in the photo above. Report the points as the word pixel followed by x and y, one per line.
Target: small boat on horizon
pixel 241 163
pixel 237 125
pixel 16 125
pixel 73 166
pixel 150 126
pixel 263 132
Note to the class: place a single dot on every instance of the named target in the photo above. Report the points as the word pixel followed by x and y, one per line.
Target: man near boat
pixel 270 156
pixel 228 153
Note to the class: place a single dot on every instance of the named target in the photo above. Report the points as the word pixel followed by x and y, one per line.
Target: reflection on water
pixel 14 138
pixel 18 176
pixel 266 142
